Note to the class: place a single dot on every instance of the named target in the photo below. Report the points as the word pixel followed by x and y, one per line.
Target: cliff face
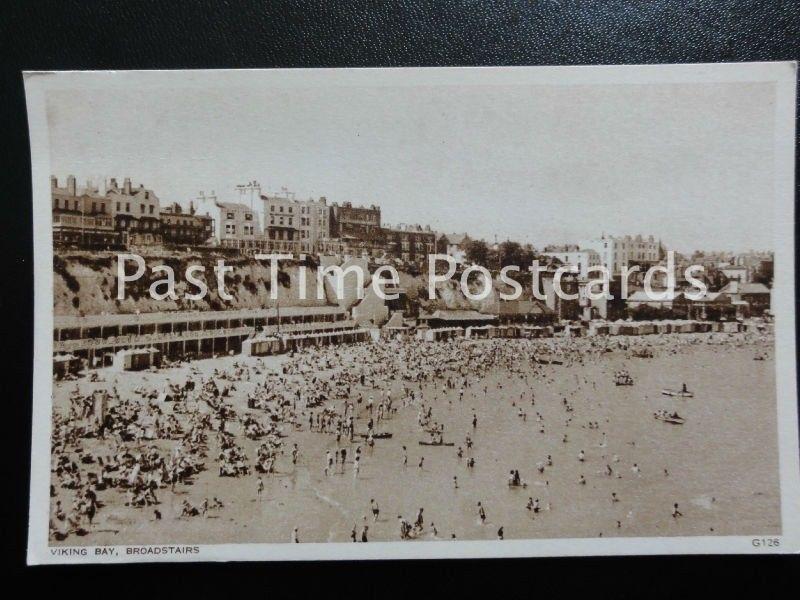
pixel 87 284
pixel 449 294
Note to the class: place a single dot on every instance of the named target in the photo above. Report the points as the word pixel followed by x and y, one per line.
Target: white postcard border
pixel 784 75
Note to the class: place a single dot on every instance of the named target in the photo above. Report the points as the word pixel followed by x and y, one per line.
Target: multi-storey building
pixel 628 251
pixel 572 256
pixel 298 225
pixel 359 222
pixel 181 227
pixel 238 227
pixel 136 211
pixel 453 244
pixel 282 217
pixel 81 217
pixel 410 243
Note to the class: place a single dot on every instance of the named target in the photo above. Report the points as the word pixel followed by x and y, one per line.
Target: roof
pixel 753 288
pixel 122 319
pixel 234 206
pixel 396 321
pixel 643 296
pixel 523 307
pixel 456 238
pixel 459 315
pixel 737 287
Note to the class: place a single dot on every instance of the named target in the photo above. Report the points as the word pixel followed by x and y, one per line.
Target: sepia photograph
pixel 413 313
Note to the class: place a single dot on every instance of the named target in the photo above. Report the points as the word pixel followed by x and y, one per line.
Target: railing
pixel 147 339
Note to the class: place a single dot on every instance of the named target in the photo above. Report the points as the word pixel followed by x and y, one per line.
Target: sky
pixel 691 164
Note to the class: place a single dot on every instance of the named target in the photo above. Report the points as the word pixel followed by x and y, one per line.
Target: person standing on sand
pixel 481 513
pixel 259 487
pixel 295 539
pixel 375 510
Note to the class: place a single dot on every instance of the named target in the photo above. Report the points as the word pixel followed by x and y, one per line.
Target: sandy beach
pixel 721 466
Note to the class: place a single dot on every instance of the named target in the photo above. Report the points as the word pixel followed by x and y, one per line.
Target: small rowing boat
pixel 423 443
pixel 674 419
pixel 681 393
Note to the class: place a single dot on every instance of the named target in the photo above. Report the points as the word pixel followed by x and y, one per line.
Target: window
pixel 141 208
pixel 248 216
pixel 127 207
pixel 152 207
pixel 94 206
pixel 230 215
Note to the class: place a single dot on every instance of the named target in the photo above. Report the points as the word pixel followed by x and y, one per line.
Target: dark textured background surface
pixel 68 34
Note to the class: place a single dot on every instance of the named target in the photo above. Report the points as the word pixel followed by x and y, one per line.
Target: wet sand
pixel 722 463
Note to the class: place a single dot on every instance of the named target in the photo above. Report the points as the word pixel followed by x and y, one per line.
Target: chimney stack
pixel 71 185
pixel 127 186
pixel 53 182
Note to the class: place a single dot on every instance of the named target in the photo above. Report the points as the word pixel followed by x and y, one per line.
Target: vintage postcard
pixel 413 313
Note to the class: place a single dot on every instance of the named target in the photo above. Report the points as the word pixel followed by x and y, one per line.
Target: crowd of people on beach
pixel 241 422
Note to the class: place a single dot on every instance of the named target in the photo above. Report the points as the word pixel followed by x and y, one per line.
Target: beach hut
pixel 479 332
pixel 261 345
pixel 64 364
pixel 646 328
pixel 616 327
pixel 662 326
pixel 730 326
pixel 136 359
pixel 598 328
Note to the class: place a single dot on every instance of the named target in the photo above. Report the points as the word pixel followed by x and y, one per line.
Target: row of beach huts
pixel 592 328
pixel 134 359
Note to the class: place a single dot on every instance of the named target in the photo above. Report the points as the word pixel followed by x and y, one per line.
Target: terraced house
pixel 81 216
